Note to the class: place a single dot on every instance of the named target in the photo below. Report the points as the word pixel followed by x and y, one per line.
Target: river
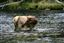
pixel 49 29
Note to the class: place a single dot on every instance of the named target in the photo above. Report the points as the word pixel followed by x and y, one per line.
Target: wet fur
pixel 30 22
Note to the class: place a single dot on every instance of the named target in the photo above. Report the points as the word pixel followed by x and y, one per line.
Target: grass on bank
pixel 35 6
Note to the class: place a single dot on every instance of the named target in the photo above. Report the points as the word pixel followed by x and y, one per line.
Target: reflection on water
pixel 50 24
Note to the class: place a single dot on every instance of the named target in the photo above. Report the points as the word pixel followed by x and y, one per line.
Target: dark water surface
pixel 50 28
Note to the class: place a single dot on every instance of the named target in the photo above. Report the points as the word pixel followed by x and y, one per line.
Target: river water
pixel 49 24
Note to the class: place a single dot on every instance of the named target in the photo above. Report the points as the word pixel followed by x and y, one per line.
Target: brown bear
pixel 24 21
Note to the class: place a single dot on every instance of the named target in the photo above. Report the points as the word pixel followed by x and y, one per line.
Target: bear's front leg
pixel 17 28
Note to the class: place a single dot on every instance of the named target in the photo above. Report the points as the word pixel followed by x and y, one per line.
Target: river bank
pixel 33 11
pixel 33 6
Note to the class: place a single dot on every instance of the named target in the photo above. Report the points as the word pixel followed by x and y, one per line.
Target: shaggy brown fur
pixel 24 21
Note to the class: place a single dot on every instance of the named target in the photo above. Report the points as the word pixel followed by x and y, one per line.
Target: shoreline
pixel 34 11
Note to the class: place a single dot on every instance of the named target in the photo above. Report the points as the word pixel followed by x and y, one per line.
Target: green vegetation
pixel 51 6
pixel 35 5
pixel 1 1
